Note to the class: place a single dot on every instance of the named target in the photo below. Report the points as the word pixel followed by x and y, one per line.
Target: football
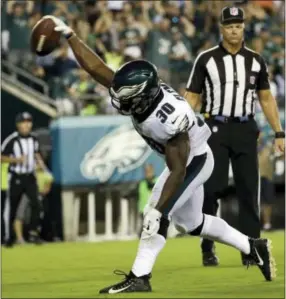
pixel 44 39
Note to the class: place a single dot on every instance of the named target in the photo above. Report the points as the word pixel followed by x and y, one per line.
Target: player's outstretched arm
pixel 88 60
pixel 177 153
pixel 91 62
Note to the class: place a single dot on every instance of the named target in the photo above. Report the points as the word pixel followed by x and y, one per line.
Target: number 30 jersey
pixel 169 116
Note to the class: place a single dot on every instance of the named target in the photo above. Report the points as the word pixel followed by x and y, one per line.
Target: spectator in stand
pixel 95 43
pixel 257 19
pixel 172 12
pixel 180 60
pixel 90 11
pixel 206 44
pixel 257 45
pixel 102 27
pixel 81 85
pixel 267 5
pixel 130 38
pixel 143 13
pixel 79 91
pixel 158 46
pixel 275 47
pixel 43 68
pixel 201 20
pixel 19 27
pixel 63 63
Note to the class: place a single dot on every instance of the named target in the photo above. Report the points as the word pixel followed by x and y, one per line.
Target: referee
pixel 21 151
pixel 224 83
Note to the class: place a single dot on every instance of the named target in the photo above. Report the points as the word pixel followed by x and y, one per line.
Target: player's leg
pixel 189 217
pixel 199 169
pixel 216 184
pixel 188 214
pixel 148 250
pixel 138 279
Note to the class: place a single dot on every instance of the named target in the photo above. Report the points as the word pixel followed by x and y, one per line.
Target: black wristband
pixel 69 35
pixel 280 134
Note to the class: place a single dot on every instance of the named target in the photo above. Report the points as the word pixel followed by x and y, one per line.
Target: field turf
pixel 79 270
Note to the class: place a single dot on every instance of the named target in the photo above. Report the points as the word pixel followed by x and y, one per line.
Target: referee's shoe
pixel 34 238
pixel 210 259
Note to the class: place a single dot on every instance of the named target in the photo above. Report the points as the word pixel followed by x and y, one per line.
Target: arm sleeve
pixel 197 76
pixel 263 80
pixel 7 147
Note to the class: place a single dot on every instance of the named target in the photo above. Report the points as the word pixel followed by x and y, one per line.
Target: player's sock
pixel 147 253
pixel 217 229
pixel 149 249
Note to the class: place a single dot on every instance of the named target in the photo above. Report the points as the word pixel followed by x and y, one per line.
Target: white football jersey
pixel 173 115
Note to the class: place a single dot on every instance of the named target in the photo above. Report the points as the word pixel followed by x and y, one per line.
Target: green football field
pixel 79 270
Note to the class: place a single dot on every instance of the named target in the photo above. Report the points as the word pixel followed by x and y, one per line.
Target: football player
pixel 169 125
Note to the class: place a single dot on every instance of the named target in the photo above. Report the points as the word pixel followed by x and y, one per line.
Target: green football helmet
pixel 134 87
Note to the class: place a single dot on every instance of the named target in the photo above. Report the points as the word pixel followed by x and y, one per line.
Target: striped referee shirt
pixel 17 146
pixel 228 82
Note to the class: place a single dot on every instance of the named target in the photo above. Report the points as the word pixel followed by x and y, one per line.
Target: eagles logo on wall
pixel 123 150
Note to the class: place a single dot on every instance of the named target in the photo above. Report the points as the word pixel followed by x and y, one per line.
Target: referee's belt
pixel 21 174
pixel 228 119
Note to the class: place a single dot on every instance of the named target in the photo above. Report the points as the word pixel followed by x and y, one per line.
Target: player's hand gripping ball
pixel 46 35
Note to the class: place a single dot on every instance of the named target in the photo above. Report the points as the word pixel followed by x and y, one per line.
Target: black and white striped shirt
pixel 17 146
pixel 227 82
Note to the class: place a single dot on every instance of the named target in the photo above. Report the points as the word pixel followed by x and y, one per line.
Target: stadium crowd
pixel 167 33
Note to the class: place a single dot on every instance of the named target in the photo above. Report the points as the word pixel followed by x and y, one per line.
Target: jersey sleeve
pixel 263 76
pixel 176 125
pixel 197 76
pixel 7 147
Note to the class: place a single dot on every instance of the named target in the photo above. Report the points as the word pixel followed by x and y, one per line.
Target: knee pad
pixel 164 224
pixel 197 231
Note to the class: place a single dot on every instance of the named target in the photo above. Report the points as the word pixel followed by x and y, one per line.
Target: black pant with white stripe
pixel 236 142
pixel 19 185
